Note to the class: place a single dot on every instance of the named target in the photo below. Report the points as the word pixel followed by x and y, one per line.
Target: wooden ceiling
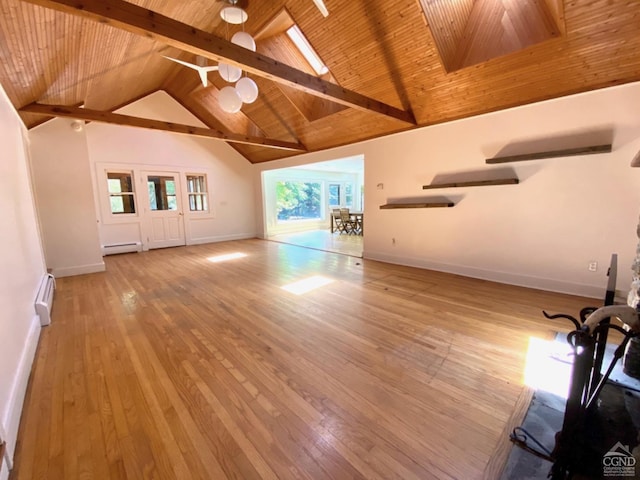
pixel 393 65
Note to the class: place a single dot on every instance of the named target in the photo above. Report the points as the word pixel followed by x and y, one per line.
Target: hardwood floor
pixel 324 240
pixel 194 363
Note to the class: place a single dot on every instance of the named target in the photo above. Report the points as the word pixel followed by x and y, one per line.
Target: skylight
pixel 297 37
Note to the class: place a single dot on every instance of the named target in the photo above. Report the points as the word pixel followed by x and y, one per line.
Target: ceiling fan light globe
pixel 247 90
pixel 234 15
pixel 229 100
pixel 229 73
pixel 244 40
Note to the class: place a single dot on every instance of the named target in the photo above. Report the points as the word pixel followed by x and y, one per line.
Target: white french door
pixel 164 219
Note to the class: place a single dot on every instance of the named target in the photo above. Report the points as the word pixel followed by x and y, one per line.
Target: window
pixel 297 37
pixel 334 194
pixel 162 193
pixel 298 200
pixel 121 194
pixel 341 194
pixel 348 195
pixel 197 191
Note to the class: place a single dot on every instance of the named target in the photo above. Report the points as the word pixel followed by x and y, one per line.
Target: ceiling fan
pixel 234 14
pixel 201 67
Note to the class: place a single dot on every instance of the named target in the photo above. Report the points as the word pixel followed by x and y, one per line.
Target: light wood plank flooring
pixel 324 240
pixel 193 362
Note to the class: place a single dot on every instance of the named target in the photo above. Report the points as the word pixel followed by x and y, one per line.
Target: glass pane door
pixel 162 193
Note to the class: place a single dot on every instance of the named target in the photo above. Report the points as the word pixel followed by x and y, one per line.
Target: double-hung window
pixel 121 192
pixel 197 192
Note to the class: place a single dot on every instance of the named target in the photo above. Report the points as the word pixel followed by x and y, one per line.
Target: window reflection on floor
pixel 324 240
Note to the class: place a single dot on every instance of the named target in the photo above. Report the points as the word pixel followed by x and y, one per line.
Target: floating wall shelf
pixel 570 152
pixel 476 183
pixel 417 205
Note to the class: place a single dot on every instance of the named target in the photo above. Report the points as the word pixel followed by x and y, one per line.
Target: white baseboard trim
pixel 539 283
pixel 221 238
pixel 11 422
pixel 78 270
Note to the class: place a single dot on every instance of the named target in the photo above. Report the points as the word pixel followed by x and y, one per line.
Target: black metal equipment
pixel 576 448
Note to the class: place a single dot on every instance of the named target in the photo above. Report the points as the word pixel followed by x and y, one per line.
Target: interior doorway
pixel 299 201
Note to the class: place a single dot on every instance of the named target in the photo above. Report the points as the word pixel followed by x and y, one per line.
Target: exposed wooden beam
pixel 141 21
pixel 569 152
pixel 128 120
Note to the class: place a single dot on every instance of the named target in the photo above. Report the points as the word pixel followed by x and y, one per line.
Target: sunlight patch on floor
pixel 226 257
pixel 307 284
pixel 548 366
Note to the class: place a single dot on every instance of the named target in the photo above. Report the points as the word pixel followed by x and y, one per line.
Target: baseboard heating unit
pixel 44 299
pixel 121 248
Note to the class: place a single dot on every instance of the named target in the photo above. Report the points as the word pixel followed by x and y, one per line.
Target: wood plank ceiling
pixel 438 60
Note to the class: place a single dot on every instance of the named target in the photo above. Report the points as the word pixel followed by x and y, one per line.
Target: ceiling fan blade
pixel 203 77
pixel 203 71
pixel 186 64
pixel 322 7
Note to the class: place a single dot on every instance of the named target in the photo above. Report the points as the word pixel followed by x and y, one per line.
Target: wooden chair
pixel 348 225
pixel 338 219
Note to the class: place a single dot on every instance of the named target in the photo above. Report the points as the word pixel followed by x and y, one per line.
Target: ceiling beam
pixel 129 121
pixel 150 24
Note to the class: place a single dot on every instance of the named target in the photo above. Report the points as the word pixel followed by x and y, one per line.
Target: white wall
pixel 231 190
pixel 565 213
pixel 64 198
pixel 21 268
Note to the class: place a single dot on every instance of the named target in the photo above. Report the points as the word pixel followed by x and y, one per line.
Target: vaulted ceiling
pixel 392 65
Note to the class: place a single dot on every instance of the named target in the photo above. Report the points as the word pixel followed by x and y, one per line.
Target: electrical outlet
pixel 593 266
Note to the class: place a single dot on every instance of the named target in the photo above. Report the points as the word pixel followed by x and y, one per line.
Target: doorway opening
pixel 302 205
